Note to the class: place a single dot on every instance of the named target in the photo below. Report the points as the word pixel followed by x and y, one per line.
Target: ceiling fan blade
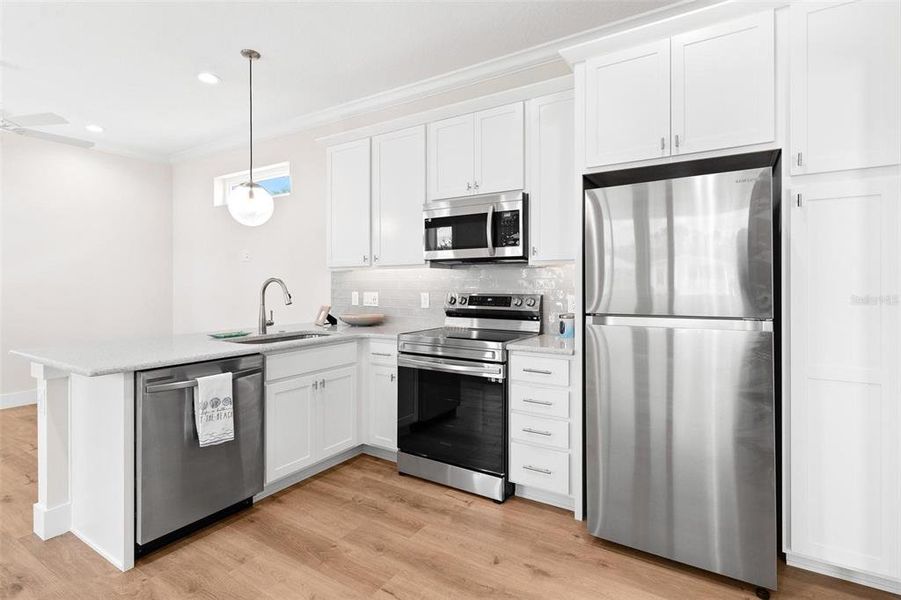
pixel 37 119
pixel 50 137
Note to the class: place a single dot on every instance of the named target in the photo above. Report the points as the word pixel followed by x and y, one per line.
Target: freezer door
pixel 680 442
pixel 694 246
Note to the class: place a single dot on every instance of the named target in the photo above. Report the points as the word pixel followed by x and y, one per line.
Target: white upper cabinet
pixel 553 219
pixel 845 85
pixel 845 475
pixel 479 153
pixel 398 194
pixel 627 105
pixel 451 157
pixel 723 85
pixel 499 149
pixel 348 204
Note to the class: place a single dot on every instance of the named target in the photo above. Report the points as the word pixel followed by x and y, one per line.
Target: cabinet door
pixel 845 85
pixel 348 204
pixel 289 426
pixel 383 406
pixel 845 392
pixel 627 105
pixel 499 149
pixel 553 198
pixel 337 411
pixel 723 80
pixel 450 157
pixel 398 194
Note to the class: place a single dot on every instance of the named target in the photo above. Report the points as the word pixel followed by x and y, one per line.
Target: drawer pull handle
pixel 541 402
pixel 537 469
pixel 537 431
pixel 539 371
pixel 388 354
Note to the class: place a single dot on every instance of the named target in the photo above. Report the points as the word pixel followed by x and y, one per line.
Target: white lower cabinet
pixel 544 451
pixel 311 407
pixel 845 411
pixel 289 426
pixel 382 406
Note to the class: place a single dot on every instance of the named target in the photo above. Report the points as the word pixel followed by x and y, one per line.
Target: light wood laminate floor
pixel 356 531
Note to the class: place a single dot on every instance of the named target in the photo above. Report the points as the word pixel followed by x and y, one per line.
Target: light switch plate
pixel 355 298
pixel 370 298
pixel 423 299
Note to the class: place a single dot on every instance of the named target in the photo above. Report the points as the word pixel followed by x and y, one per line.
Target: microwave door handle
pixel 489 230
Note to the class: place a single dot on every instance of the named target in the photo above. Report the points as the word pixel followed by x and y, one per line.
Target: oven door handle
pixel 446 365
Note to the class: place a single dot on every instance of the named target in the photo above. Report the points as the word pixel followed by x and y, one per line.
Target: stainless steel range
pixel 452 392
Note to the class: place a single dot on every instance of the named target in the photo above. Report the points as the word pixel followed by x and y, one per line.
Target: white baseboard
pixel 538 495
pixel 99 550
pixel 376 451
pixel 867 579
pixel 51 522
pixel 14 399
pixel 328 463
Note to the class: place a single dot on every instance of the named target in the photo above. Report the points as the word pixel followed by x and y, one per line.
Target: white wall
pixel 85 249
pixel 214 287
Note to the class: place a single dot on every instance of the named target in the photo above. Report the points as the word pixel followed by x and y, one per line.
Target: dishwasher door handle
pixel 192 383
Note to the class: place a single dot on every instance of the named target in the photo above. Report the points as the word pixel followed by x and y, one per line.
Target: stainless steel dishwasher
pixel 179 486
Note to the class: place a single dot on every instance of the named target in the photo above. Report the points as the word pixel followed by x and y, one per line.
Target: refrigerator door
pixel 694 246
pixel 680 441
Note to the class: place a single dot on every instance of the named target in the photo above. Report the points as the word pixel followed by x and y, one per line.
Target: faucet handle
pixel 270 320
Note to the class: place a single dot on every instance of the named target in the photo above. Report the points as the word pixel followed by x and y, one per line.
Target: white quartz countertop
pixel 116 356
pixel 547 343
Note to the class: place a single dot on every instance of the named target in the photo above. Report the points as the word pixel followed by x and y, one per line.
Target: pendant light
pixel 249 203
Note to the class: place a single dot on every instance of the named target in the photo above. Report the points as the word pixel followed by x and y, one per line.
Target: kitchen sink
pixel 284 336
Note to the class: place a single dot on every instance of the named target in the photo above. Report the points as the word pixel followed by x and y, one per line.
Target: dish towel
pixel 213 413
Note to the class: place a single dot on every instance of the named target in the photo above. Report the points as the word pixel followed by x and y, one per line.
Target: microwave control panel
pixel 506 228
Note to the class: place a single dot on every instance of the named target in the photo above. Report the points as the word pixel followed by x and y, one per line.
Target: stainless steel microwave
pixel 491 228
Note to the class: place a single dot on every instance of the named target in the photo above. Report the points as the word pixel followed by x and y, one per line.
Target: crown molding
pixel 509 64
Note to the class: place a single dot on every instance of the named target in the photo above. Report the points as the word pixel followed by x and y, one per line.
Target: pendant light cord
pixel 250 77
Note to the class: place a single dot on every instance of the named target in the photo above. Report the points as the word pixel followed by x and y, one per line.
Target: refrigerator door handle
pixel 682 323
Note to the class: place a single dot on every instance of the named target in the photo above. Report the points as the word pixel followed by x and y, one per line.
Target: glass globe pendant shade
pixel 250 204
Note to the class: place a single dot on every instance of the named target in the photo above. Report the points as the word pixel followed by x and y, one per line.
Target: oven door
pixel 464 230
pixel 453 411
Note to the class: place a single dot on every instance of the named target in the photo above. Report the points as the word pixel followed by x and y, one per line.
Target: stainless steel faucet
pixel 264 322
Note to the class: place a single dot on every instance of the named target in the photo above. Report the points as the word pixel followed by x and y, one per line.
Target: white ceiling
pixel 131 67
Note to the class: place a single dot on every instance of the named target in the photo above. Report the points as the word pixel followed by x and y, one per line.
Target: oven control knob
pixel 517 302
pixel 451 300
pixel 530 302
pixel 462 300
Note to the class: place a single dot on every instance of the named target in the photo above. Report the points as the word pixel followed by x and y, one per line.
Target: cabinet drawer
pixel 539 467
pixel 539 430
pixel 299 362
pixel 549 402
pixel 382 351
pixel 539 369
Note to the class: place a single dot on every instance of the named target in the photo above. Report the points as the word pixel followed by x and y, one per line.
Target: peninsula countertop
pixel 103 357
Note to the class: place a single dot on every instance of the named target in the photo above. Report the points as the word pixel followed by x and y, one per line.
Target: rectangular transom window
pixel 276 179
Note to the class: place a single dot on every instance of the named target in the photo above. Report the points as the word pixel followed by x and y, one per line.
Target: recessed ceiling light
pixel 208 78
pixel 94 128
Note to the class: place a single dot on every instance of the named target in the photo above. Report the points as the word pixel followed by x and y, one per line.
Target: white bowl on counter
pixel 363 319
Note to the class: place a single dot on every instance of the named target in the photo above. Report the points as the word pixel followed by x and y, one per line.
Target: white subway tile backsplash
pixel 399 289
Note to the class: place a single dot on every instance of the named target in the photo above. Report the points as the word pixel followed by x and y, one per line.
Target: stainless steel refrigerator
pixel 680 362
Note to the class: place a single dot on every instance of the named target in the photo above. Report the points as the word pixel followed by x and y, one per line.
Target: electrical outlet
pixel 355 298
pixel 370 298
pixel 570 303
pixel 423 299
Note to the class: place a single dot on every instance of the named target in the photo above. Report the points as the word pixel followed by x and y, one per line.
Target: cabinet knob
pixel 534 251
pixel 315 385
pixel 662 143
pixel 677 140
pixel 468 186
pixel 393 377
pixel 800 159
pixel 365 258
pixel 476 185
pixel 322 383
